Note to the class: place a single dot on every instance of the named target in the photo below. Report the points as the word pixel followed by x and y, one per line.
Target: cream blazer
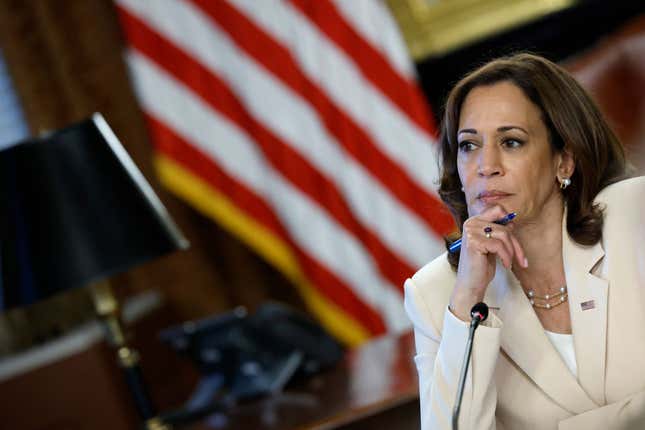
pixel 517 380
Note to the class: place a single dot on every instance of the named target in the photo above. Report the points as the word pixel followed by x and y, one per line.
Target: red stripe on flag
pixel 172 145
pixel 284 158
pixel 374 66
pixel 352 137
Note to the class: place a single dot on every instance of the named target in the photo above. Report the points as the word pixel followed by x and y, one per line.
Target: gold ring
pixel 487 231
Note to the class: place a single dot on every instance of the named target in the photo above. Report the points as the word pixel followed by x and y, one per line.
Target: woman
pixel 564 344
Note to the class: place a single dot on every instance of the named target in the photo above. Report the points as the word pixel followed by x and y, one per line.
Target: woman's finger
pixel 512 244
pixel 520 256
pixel 492 230
pixel 490 245
pixel 492 214
pixel 495 246
pixel 502 233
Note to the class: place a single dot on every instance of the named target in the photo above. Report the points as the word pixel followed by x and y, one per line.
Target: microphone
pixel 478 313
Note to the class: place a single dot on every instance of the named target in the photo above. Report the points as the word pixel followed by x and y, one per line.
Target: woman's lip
pixel 493 197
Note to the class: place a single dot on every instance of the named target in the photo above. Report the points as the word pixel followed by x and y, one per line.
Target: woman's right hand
pixel 477 258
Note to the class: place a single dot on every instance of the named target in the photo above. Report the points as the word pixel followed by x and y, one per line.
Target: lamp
pixel 74 210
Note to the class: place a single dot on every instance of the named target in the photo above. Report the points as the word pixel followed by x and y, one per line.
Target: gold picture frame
pixel 435 27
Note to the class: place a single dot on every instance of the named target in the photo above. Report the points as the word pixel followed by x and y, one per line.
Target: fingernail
pixel 526 263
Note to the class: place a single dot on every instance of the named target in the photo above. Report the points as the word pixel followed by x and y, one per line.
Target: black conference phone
pixel 243 356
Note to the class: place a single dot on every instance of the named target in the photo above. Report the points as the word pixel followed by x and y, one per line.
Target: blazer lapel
pixel 525 343
pixel 588 310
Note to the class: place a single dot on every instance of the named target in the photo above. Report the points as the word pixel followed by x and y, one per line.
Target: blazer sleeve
pixel 439 357
pixel 626 414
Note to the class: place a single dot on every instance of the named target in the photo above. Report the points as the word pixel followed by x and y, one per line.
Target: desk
pixel 374 386
pixel 74 382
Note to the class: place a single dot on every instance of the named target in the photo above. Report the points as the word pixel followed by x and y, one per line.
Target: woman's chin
pixel 480 207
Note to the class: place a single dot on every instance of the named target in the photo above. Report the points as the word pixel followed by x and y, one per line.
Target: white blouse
pixel 563 343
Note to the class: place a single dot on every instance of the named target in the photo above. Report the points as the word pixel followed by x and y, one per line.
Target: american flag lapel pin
pixel 589 304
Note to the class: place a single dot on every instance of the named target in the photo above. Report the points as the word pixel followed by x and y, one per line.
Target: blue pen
pixel 456 245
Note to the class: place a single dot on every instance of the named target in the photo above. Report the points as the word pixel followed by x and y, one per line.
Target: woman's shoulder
pixel 433 283
pixel 625 192
pixel 623 208
pixel 623 201
pixel 435 271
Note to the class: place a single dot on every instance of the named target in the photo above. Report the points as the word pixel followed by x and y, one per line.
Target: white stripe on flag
pixel 373 21
pixel 392 131
pixel 231 148
pixel 293 120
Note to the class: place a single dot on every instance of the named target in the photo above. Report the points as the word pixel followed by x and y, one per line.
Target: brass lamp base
pixel 156 424
pixel 107 308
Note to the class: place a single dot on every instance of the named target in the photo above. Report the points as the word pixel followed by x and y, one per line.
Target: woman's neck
pixel 541 240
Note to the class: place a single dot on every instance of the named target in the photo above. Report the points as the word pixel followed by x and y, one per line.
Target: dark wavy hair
pixel 573 121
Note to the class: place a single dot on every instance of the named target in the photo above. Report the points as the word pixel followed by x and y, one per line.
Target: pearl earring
pixel 564 183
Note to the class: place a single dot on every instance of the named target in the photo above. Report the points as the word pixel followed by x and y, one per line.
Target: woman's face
pixel 504 156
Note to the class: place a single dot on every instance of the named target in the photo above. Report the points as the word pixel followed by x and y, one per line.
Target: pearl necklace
pixel 547 302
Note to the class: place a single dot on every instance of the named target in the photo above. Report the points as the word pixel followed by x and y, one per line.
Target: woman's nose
pixel 489 161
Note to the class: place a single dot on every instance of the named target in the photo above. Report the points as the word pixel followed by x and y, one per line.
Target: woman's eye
pixel 466 146
pixel 512 143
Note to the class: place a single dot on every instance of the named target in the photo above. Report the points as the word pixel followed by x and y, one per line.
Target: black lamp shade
pixel 75 209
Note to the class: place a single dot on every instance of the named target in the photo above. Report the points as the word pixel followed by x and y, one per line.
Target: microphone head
pixel 479 311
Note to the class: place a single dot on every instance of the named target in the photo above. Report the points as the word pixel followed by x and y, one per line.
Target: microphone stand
pixel 479 313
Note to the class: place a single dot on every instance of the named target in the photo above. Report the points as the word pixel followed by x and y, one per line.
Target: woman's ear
pixel 566 163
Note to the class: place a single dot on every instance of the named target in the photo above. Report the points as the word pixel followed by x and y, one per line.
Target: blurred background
pixel 293 143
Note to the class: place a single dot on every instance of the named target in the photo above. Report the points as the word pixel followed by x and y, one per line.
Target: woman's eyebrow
pixel 499 129
pixel 467 130
pixel 511 127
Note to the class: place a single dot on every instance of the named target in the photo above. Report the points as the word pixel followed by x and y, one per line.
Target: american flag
pixel 298 126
